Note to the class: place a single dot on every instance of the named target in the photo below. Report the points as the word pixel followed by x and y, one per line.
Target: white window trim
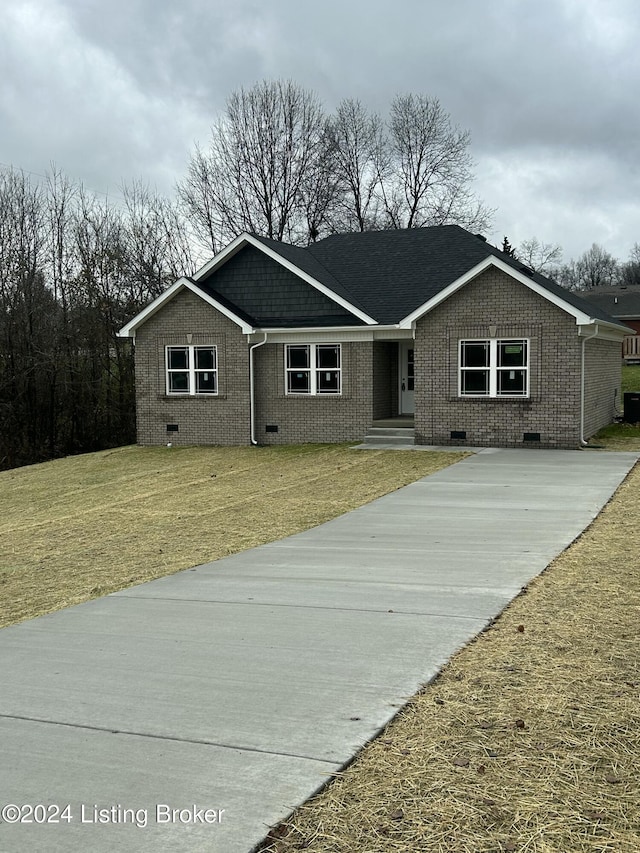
pixel 493 368
pixel 191 370
pixel 313 369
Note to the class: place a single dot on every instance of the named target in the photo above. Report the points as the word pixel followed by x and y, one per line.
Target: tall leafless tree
pixel 27 320
pixel 594 268
pixel 432 168
pixel 261 166
pixel 73 269
pixel 158 247
pixel 538 256
pixel 362 161
pixel 629 272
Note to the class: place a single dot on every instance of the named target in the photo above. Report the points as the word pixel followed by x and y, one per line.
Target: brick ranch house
pixel 270 343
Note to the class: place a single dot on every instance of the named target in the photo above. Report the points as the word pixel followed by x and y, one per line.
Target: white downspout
pixel 252 402
pixel 582 383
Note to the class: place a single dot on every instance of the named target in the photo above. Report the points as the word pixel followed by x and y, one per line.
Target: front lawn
pixel 80 527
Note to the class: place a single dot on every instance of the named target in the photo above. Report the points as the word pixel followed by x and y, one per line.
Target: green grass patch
pixel 630 378
pixel 621 436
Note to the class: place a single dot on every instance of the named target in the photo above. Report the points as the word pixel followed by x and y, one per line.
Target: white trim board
pixel 581 318
pixel 129 331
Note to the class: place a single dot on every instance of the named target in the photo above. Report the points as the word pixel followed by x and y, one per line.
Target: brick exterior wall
pixel 553 407
pixel 313 418
pixel 206 419
pixel 370 378
pixel 602 384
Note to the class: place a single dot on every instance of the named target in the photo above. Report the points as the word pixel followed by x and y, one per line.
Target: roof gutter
pixel 583 442
pixel 252 402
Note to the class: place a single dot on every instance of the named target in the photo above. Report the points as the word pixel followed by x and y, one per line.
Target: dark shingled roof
pixel 389 274
pixel 226 303
pixel 623 303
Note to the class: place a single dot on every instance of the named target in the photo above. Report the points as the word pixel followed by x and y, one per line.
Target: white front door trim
pixel 406 377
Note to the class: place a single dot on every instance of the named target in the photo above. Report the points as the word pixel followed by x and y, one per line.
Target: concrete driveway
pixel 191 712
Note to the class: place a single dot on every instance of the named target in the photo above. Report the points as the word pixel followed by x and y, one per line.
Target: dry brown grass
pixel 80 527
pixel 529 740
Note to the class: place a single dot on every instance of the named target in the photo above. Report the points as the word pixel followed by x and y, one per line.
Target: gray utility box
pixel 632 407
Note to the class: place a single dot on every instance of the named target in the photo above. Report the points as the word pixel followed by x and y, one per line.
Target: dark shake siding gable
pixel 272 294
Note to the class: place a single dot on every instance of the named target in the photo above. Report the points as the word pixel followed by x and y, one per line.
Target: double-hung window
pixel 494 368
pixel 192 370
pixel 313 368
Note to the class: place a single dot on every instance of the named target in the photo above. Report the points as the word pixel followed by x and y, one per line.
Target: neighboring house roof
pixel 386 278
pixel 623 303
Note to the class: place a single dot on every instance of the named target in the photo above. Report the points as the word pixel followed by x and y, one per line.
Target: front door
pixel 406 378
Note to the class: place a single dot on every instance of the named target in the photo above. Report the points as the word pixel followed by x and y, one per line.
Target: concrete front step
pixel 390 435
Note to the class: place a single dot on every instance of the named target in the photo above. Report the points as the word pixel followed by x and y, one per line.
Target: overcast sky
pixel 549 89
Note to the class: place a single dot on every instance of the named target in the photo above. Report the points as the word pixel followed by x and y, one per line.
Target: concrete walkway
pixel 243 684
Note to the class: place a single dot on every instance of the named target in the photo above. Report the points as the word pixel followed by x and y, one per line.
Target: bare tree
pixel 320 189
pixel 197 194
pixel 156 244
pixel 567 275
pixel 629 272
pixel 278 167
pixel 73 270
pixel 594 268
pixel 540 257
pixel 27 322
pixel 431 168
pixel 363 163
pixel 262 159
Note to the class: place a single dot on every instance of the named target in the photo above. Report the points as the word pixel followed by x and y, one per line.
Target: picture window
pixel 494 368
pixel 192 370
pixel 313 368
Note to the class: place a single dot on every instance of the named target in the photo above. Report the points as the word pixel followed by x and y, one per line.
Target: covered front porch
pixel 398 422
pixel 393 380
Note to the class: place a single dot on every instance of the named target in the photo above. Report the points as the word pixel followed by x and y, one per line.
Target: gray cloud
pixel 548 90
